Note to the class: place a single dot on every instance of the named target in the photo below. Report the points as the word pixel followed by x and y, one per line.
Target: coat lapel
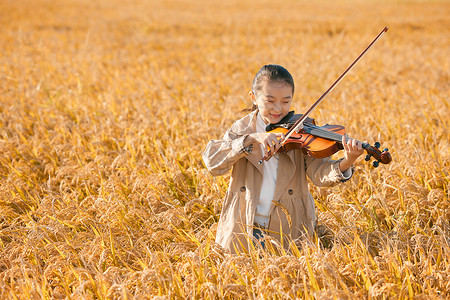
pixel 255 157
pixel 285 172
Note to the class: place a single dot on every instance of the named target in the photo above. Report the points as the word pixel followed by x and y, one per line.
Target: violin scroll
pixel 383 157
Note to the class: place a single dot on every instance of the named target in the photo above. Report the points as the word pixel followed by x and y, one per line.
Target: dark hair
pixel 271 72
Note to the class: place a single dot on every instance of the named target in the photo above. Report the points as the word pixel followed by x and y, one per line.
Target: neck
pixel 259 116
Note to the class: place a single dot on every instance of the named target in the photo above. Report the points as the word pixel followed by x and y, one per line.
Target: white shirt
pixel 270 168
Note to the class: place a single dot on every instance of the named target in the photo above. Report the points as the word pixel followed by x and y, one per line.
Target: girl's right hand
pixel 268 140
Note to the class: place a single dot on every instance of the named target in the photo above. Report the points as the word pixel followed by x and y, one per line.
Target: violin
pixel 322 141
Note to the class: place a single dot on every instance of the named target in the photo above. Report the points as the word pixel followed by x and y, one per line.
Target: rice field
pixel 106 107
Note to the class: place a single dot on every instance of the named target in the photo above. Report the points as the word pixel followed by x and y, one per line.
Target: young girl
pixel 272 197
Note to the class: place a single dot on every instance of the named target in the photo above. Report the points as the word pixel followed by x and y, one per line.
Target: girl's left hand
pixel 352 150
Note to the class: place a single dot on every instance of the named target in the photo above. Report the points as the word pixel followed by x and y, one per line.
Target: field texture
pixel 106 107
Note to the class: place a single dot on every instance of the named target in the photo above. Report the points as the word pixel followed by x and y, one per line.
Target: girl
pixel 272 197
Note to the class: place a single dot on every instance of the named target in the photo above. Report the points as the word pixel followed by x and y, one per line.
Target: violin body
pixel 321 141
pixel 314 146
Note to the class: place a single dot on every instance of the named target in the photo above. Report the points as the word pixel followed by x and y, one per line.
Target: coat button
pixel 290 192
pixel 243 189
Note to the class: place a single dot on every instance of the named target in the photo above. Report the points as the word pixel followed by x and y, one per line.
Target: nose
pixel 277 107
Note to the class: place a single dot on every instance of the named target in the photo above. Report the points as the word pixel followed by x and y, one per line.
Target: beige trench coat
pixel 235 227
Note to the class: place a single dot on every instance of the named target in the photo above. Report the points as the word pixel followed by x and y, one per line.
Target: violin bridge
pixel 299 127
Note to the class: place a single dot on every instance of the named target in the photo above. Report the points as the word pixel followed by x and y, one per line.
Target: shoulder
pixel 245 125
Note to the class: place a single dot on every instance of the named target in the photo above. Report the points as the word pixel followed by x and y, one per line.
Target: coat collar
pixel 245 125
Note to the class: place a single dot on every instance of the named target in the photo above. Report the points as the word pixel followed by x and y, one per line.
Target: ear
pixel 252 97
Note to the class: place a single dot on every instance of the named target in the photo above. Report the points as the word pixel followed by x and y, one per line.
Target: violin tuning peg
pixel 368 157
pixel 386 150
pixel 377 145
pixel 376 163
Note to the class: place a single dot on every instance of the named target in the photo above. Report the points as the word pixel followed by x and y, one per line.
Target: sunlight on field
pixel 106 107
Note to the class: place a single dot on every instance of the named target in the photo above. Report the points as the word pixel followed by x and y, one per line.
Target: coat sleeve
pixel 220 155
pixel 325 172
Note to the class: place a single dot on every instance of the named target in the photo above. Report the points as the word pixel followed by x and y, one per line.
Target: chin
pixel 274 121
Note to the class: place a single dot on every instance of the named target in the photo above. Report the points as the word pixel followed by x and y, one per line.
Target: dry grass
pixel 106 107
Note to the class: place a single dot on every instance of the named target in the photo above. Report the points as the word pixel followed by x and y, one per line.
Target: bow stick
pixel 299 123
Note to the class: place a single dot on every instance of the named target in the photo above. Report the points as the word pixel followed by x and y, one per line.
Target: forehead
pixel 276 88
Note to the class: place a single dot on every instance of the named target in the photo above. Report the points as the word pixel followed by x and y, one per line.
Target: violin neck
pixel 327 134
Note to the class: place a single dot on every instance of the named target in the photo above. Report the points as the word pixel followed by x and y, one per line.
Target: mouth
pixel 275 116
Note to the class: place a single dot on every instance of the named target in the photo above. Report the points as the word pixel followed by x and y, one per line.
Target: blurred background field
pixel 106 107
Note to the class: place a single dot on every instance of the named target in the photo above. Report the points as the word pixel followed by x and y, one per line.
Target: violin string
pixel 326 134
pixel 323 133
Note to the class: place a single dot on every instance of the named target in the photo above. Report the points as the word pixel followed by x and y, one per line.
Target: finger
pixel 344 143
pixel 271 146
pixel 359 146
pixel 275 143
pixel 278 145
pixel 365 142
pixel 349 142
pixel 267 146
pixel 276 140
pixel 280 138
